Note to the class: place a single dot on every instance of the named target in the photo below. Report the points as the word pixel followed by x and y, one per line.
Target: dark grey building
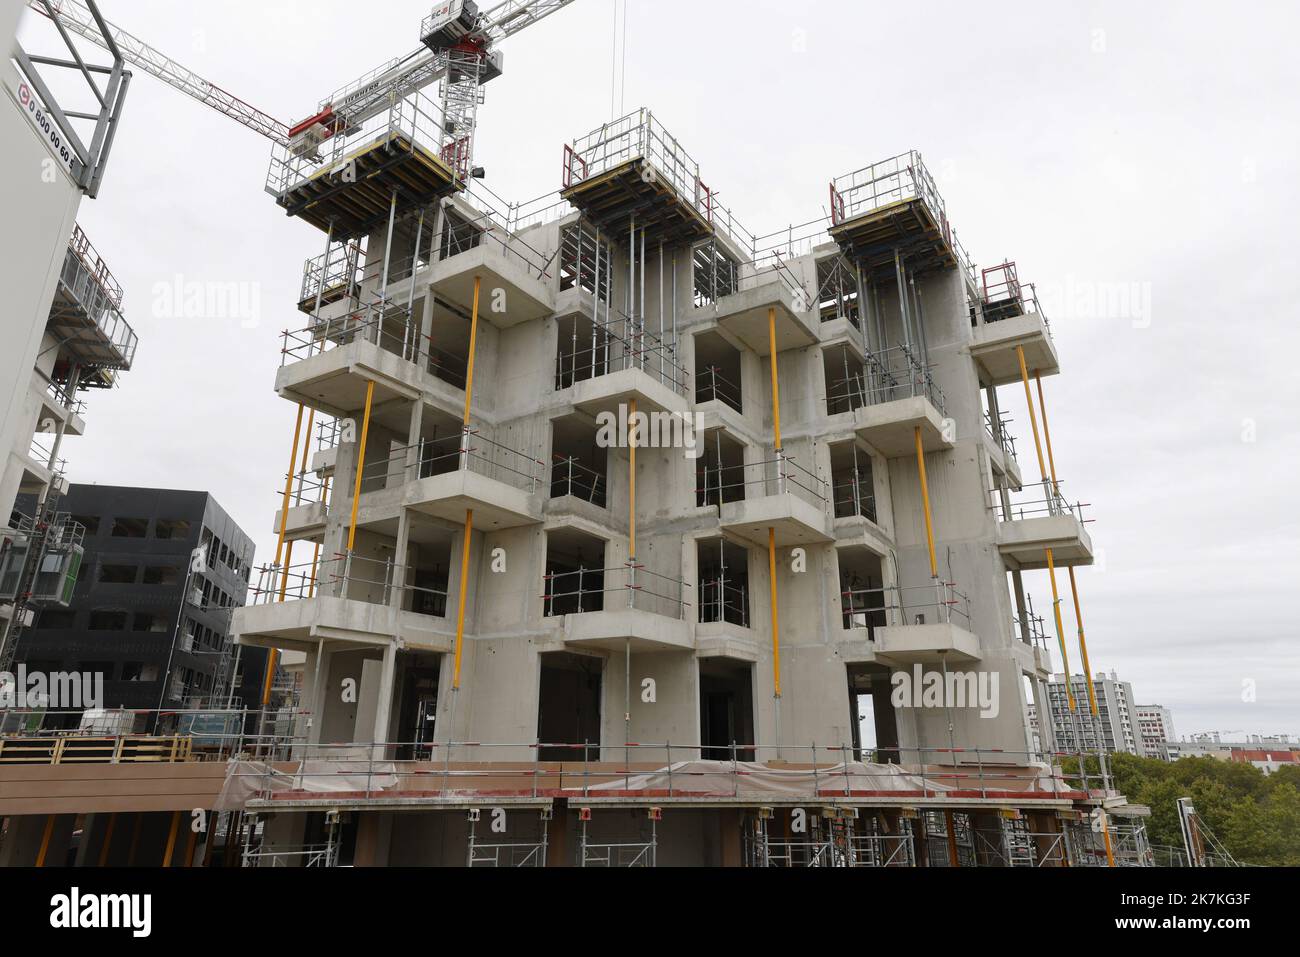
pixel 147 616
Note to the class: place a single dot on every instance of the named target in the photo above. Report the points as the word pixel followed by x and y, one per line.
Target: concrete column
pixel 374 834
pixel 384 705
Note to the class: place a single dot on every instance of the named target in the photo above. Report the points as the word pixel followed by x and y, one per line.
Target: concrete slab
pixel 612 630
pixel 606 393
pixel 795 521
pixel 910 644
pixel 889 427
pixel 334 382
pixel 306 522
pixel 994 348
pixel 1024 542
pixel 523 294
pixel 299 624
pixel 744 315
pixel 496 504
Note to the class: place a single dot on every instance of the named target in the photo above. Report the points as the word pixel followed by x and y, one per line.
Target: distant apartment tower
pixel 1114 728
pixel 1155 730
pixel 146 615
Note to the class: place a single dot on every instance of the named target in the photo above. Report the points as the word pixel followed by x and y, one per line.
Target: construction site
pixel 605 525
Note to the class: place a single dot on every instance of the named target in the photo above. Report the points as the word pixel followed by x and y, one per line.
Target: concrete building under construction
pixel 613 533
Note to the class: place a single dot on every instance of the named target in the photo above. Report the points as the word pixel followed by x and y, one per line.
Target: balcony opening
pixel 582 350
pixel 442 439
pixel 726 710
pixel 447 349
pixel 852 486
pixel 837 287
pixel 578 464
pixel 871 715
pixel 568 707
pixel 428 562
pixel 717 371
pixel 720 474
pixel 723 582
pixel 715 273
pixel 417 683
pixel 862 589
pixel 846 388
pixel 575 573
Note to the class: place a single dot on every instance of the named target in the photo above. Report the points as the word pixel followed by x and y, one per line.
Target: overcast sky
pixel 1138 161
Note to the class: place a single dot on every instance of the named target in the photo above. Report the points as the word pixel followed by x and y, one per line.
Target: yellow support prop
pixel 108 840
pixel 288 486
pixel 361 464
pixel 469 512
pixel 1074 585
pixel 776 385
pixel 460 611
pixel 1051 564
pixel 171 839
pixel 925 501
pixel 45 841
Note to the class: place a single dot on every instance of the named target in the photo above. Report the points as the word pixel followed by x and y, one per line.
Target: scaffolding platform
pixel 633 172
pixel 892 206
pixel 353 195
pixel 86 316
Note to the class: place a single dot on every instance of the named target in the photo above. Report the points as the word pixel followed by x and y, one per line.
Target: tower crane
pixel 459 47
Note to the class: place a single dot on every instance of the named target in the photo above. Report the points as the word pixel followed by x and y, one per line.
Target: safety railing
pixel 128 736
pixel 853 493
pixel 1038 500
pixel 638 135
pixel 897 179
pixel 631 585
pixel 895 373
pixel 65 399
pixel 614 346
pixel 939 601
pixel 711 384
pixel 837 291
pixel 791 242
pixel 496 221
pixel 334 274
pixel 416 118
pixel 354 577
pixel 569 477
pixel 98 296
pixel 1000 434
pixel 778 475
pixel 723 600
pixel 469 451
pixel 393 328
pixel 666 769
pixel 1004 296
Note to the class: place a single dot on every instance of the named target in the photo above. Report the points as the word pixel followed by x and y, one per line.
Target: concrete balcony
pixel 510 273
pixel 306 522
pixel 636 605
pixel 329 365
pixel 995 343
pixel 744 315
pixel 722 639
pixel 890 428
pixel 782 496
pixel 901 645
pixel 444 478
pixel 613 630
pixel 1032 525
pixel 299 624
pixel 891 399
pixel 610 392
